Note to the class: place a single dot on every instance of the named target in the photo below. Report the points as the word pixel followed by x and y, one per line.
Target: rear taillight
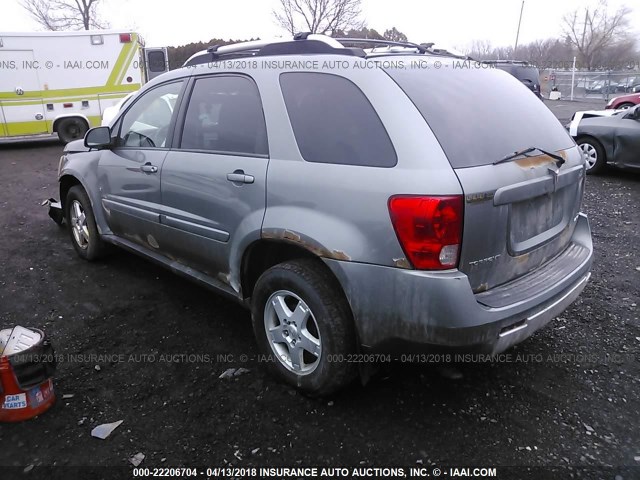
pixel 429 229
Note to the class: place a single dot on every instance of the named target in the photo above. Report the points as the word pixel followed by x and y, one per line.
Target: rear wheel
pixel 304 325
pixel 594 153
pixel 70 129
pixel 82 225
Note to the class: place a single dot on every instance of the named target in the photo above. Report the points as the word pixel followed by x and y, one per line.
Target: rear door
pixel 518 214
pixel 214 182
pixel 22 100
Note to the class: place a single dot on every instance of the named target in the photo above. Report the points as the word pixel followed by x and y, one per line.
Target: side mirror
pixel 99 137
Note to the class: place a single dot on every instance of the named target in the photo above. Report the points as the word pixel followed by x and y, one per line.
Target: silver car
pixel 355 201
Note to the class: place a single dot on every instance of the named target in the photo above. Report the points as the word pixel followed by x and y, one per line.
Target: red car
pixel 623 102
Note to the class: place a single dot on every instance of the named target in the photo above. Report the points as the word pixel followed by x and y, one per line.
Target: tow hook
pixel 55 210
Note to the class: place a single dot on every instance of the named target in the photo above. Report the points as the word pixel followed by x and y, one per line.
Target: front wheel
pixel 625 106
pixel 82 225
pixel 594 155
pixel 302 322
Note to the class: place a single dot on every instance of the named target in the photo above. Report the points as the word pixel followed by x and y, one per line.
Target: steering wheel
pixel 142 140
pixel 146 142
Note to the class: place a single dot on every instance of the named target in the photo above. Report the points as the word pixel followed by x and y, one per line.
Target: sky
pixel 453 24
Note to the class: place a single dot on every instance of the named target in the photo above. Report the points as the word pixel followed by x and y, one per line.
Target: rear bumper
pixel 439 309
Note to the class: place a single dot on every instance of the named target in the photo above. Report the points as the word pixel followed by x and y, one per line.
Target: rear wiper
pixel 525 153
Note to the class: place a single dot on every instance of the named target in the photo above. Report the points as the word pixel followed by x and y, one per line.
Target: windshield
pixel 479 115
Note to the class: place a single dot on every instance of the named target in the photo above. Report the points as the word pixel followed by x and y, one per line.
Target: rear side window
pixel 225 115
pixel 333 121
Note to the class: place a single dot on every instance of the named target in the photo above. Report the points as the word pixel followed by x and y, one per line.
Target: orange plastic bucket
pixel 27 364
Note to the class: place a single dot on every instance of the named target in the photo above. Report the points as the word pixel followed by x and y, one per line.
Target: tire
pixel 327 329
pixel 626 105
pixel 596 158
pixel 81 224
pixel 70 129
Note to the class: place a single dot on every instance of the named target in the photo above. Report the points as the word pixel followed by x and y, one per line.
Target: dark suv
pixel 523 71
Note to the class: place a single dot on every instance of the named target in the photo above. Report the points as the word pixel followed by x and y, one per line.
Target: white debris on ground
pixel 106 429
pixel 233 372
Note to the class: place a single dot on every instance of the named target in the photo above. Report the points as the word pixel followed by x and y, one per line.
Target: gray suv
pixel 338 194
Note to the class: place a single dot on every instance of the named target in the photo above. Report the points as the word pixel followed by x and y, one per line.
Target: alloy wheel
pixel 590 153
pixel 292 332
pixel 79 225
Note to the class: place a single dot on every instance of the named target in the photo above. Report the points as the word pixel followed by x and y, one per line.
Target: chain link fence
pixel 590 85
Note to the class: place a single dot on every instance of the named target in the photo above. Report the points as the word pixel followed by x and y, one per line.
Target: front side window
pixel 225 116
pixel 334 122
pixel 146 124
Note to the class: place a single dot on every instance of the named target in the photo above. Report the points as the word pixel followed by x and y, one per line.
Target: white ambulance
pixel 61 82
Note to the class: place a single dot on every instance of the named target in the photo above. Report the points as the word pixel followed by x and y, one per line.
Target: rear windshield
pixel 480 115
pixel 521 72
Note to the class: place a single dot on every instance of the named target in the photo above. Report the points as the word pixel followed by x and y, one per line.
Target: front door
pixel 129 173
pixel 627 139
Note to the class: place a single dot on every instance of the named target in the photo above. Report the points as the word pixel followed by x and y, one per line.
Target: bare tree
pixel 64 14
pixel 481 49
pixel 318 16
pixel 593 29
pixel 394 35
pixel 546 54
pixel 363 32
pixel 617 55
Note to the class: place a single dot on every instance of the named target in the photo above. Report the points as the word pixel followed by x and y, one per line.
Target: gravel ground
pixel 142 345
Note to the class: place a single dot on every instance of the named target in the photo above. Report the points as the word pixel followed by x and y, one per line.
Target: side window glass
pixel 333 121
pixel 157 61
pixel 225 115
pixel 146 124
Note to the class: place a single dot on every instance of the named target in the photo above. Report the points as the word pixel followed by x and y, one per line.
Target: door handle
pixel 239 177
pixel 148 168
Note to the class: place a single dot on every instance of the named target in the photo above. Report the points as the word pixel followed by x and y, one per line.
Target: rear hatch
pixel 518 214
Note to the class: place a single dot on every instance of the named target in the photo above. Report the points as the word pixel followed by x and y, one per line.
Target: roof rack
pixel 426 48
pixel 386 43
pixel 515 62
pixel 305 43
pixel 302 43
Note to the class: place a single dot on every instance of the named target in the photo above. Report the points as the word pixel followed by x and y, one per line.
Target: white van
pixel 61 82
